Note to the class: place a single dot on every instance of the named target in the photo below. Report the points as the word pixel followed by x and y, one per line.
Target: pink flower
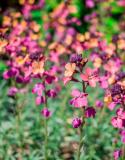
pixel 99 104
pixel 103 82
pixel 111 106
pixel 90 76
pixel 10 73
pixel 120 113
pixel 66 80
pixel 5 75
pixel 123 136
pixel 117 154
pixel 40 100
pixel 112 66
pixel 90 3
pixel 12 91
pixel 46 113
pixel 117 122
pixel 123 139
pixel 38 89
pixel 121 3
pixel 52 93
pixel 79 100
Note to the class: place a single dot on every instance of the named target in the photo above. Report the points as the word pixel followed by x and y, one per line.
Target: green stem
pixel 102 114
pixel 46 138
pixel 123 152
pixel 80 143
pixel 81 128
pixel 46 128
pixel 18 119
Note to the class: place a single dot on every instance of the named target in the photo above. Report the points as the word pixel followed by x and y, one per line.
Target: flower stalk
pixel 46 127
pixel 81 128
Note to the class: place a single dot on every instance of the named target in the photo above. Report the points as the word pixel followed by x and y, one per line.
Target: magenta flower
pixel 90 112
pixel 76 123
pixel 40 100
pixel 49 79
pixel 111 105
pixel 90 3
pixel 46 113
pixel 12 91
pixel 90 76
pixel 19 79
pixel 51 93
pixel 117 154
pixel 118 122
pixel 79 99
pixel 99 104
pixel 121 3
pixel 122 133
pixel 38 89
pixel 120 113
pixel 10 73
pixel 112 66
pixel 103 81
pixel 114 122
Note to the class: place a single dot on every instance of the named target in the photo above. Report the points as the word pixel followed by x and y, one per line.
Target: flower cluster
pixel 43 94
pixel 73 69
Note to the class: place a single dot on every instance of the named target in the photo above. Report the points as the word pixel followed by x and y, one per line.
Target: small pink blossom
pixel 111 106
pixel 66 80
pixel 90 76
pixel 38 89
pixel 90 3
pixel 122 133
pixel 120 113
pixel 12 91
pixel 46 113
pixel 99 104
pixel 103 82
pixel 117 154
pixel 117 122
pixel 79 99
pixel 40 100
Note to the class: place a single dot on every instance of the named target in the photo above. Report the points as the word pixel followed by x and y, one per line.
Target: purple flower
pixel 19 79
pixel 75 58
pixel 10 73
pixel 90 112
pixel 46 113
pixel 49 78
pixel 76 122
